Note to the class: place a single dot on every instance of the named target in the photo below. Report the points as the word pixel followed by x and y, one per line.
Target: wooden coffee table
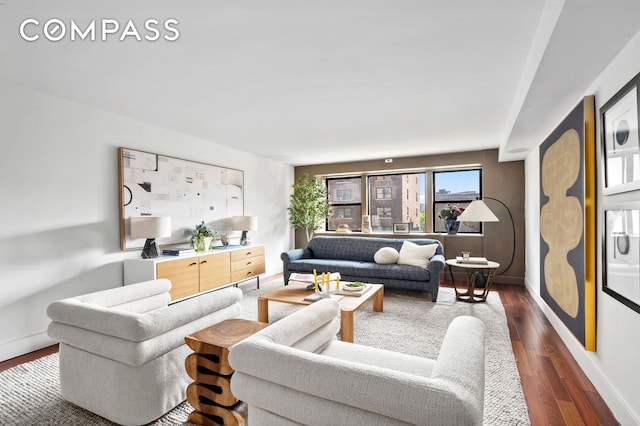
pixel 295 292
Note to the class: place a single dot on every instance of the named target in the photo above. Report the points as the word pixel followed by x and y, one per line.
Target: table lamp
pixel 245 224
pixel 150 227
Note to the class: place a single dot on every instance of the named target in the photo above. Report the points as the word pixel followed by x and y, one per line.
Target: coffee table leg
pixel 378 300
pixel 263 310
pixel 346 326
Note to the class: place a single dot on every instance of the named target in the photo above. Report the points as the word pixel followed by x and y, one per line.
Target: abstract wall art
pixel 568 222
pixel 187 191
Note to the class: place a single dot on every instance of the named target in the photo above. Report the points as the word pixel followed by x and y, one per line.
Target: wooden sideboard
pixel 194 273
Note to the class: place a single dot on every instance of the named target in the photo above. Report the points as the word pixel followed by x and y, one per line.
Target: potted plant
pixel 450 215
pixel 202 237
pixel 309 205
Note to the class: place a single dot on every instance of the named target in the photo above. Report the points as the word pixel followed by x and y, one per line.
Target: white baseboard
pixel 25 345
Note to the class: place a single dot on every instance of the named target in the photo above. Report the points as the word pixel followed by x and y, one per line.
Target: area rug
pixel 410 323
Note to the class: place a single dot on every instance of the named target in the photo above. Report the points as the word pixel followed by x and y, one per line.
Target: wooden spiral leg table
pixel 210 393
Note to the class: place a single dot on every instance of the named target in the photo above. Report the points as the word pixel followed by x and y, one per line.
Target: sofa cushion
pixel 416 255
pixel 386 256
pixel 365 271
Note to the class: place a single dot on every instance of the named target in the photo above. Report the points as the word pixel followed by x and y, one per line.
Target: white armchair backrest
pixel 141 297
pixel 310 329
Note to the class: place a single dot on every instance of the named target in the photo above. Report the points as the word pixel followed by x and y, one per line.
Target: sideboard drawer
pixel 243 274
pixel 248 252
pixel 247 263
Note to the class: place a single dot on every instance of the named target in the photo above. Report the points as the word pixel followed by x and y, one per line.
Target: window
pixel 414 197
pixel 383 212
pixel 343 194
pixel 342 213
pixel 383 193
pixel 458 188
pixel 346 203
pixel 394 199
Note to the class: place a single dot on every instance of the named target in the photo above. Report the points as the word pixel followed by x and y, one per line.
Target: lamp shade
pixel 244 223
pixel 150 227
pixel 478 212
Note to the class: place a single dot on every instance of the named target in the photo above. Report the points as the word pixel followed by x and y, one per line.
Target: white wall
pixel 59 225
pixel 613 368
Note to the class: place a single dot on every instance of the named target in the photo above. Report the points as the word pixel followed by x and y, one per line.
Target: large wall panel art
pixel 187 191
pixel 568 221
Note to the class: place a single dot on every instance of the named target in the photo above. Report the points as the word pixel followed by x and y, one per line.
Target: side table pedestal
pixel 210 393
pixel 473 270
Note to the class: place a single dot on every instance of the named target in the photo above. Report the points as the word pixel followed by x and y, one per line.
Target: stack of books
pixel 355 293
pixel 177 251
pixel 308 279
pixel 314 297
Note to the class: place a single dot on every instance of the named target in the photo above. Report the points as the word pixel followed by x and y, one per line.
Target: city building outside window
pixel 346 203
pixel 391 201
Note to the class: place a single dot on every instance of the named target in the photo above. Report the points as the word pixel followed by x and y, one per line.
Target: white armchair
pixel 122 350
pixel 296 372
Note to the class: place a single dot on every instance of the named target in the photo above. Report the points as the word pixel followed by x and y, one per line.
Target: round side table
pixel 487 270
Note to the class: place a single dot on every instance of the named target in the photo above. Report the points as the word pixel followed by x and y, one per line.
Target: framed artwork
pixel 568 222
pixel 621 252
pixel 621 141
pixel 187 191
pixel 400 228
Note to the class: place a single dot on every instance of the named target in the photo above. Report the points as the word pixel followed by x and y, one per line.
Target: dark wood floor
pixel 556 389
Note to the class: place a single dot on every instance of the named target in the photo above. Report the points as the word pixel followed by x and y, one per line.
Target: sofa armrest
pixel 465 336
pixel 296 254
pixel 135 326
pixel 436 263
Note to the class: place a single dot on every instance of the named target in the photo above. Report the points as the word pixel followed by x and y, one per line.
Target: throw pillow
pixel 415 254
pixel 386 256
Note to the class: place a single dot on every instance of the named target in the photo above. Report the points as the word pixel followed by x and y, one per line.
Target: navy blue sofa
pixel 353 258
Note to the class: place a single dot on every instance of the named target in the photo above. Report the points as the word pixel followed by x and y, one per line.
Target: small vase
pixel 204 243
pixel 452 226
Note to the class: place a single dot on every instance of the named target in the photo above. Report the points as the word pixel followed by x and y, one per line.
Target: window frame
pixel 460 201
pixel 355 220
pixel 427 188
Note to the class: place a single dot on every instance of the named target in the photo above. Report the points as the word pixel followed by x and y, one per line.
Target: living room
pixel 69 105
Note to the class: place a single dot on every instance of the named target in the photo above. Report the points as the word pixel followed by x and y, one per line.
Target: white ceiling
pixel 309 82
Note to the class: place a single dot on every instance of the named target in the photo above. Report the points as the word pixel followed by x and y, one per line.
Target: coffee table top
pixel 295 292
